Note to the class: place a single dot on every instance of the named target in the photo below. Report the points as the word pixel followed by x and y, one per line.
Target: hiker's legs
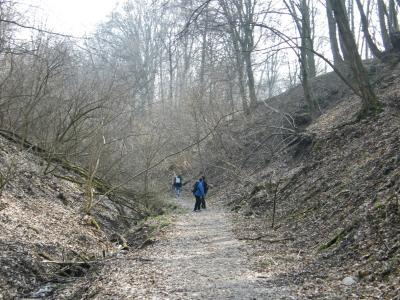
pixel 197 204
pixel 203 202
pixel 177 191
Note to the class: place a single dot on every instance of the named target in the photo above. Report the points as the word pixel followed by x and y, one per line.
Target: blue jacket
pixel 198 189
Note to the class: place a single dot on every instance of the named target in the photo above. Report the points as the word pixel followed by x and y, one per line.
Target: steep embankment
pixel 337 195
pixel 46 239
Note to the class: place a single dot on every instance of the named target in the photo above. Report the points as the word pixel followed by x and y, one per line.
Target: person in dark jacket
pixel 203 199
pixel 177 185
pixel 198 192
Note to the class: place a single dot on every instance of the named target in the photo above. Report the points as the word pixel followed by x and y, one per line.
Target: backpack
pixel 195 187
pixel 205 187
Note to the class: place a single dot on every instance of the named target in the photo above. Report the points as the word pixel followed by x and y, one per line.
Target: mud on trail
pixel 196 257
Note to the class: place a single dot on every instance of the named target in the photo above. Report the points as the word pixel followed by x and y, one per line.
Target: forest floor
pixel 334 194
pixel 196 257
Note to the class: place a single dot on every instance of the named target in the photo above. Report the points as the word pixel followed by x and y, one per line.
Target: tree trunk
pixel 308 96
pixel 240 73
pixel 364 21
pixel 307 62
pixel 171 74
pixel 395 39
pixel 384 32
pixel 247 47
pixel 394 26
pixel 161 76
pixel 250 80
pixel 370 103
pixel 393 20
pixel 187 59
pixel 235 38
pixel 203 59
pixel 346 56
pixel 308 41
pixel 203 55
pixel 350 13
pixel 229 95
pixel 337 58
pixel 242 90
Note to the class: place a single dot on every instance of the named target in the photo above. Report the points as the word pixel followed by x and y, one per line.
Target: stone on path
pixel 349 281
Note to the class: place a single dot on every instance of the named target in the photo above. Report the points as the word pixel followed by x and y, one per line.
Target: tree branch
pixel 172 154
pixel 41 30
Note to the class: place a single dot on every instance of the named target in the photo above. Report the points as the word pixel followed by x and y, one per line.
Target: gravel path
pixel 198 257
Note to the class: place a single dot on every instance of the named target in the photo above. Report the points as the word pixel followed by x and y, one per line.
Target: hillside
pixel 335 186
pixel 47 241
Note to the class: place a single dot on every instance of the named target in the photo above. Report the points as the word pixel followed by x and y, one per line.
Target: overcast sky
pixel 75 17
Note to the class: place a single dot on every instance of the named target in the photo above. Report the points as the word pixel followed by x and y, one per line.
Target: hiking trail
pixel 197 257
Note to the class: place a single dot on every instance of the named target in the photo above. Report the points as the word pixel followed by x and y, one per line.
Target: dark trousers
pixel 203 202
pixel 198 203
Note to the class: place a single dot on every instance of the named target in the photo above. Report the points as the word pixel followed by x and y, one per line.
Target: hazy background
pixel 74 17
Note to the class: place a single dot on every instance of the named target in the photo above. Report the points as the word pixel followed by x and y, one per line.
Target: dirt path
pixel 198 257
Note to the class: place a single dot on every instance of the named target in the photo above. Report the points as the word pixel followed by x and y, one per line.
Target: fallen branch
pixel 279 240
pixel 250 238
pixel 68 263
pixel 255 238
pixel 260 238
pixel 139 258
pixel 146 243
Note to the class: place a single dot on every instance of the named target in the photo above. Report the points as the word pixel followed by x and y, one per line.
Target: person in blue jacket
pixel 198 192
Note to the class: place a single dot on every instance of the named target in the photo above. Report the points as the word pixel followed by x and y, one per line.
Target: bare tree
pixel 236 46
pixel 240 18
pixel 382 12
pixel 370 103
pixel 394 28
pixel 306 59
pixel 364 21
pixel 337 58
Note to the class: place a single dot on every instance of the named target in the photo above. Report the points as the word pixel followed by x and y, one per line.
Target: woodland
pixel 290 109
